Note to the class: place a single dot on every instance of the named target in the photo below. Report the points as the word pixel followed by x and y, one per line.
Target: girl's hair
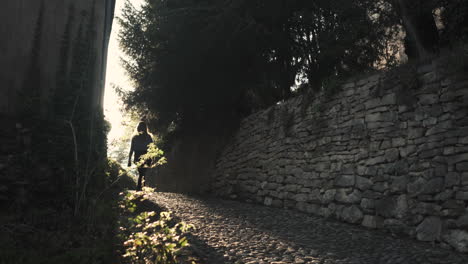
pixel 142 128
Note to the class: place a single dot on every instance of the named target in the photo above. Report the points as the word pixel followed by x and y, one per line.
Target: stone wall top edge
pixel 352 83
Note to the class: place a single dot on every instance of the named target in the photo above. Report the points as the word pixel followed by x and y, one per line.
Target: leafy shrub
pixel 154 155
pixel 150 237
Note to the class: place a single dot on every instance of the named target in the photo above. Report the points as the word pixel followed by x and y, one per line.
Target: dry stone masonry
pixel 388 151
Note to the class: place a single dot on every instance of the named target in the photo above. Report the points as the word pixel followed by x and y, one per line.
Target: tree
pixel 422 37
pixel 454 16
pixel 215 59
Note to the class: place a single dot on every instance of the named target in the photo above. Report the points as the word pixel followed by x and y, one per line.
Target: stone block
pixel 429 229
pixel 431 153
pixel 372 103
pixel 314 196
pixel 435 185
pixel 464 179
pixel 271 186
pixel 301 206
pixel 401 167
pixel 291 188
pixel 398 142
pixel 328 196
pixel 277 203
pixel 301 197
pixel 392 155
pixel 345 181
pixel 289 204
pixel 452 213
pixel 439 128
pixel 392 207
pixel 462 196
pixel 462 166
pixel 312 209
pixel 428 99
pixel 372 221
pixel 363 183
pixel 375 160
pixel 429 121
pixel 457 239
pixel 389 99
pixel 396 226
pixel 440 170
pixel 290 179
pixel 268 201
pixel 427 209
pixel 454 204
pixel 416 187
pixel 348 196
pixel 462 221
pixel 457 158
pixel 322 166
pixel 407 150
pixel 352 214
pixel 452 179
pixel 415 133
pixel 367 203
pixel 361 170
pixel 348 169
pixel 444 196
pixel 380 187
pixel 463 140
pixel 380 117
pixel 324 212
pixel 399 184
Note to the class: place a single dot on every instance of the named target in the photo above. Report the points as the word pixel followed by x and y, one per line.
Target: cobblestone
pixel 240 233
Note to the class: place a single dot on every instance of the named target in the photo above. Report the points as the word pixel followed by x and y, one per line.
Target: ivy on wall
pixel 69 130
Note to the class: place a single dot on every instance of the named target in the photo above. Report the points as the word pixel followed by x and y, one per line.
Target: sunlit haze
pixel 116 76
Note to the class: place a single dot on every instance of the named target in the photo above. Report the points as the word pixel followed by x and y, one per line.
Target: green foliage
pixel 118 175
pixel 150 237
pixel 197 60
pixel 154 155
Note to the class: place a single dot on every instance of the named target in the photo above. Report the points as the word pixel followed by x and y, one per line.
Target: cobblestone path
pixel 233 232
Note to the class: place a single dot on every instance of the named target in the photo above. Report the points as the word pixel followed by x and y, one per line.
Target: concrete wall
pixel 384 152
pixel 18 22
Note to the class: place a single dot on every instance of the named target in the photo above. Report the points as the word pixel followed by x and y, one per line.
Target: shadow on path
pixel 250 233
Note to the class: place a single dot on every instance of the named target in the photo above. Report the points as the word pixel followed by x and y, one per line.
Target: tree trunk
pixel 422 36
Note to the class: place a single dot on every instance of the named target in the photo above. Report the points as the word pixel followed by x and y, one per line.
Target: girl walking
pixel 139 146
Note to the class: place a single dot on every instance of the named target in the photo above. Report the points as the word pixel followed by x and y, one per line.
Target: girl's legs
pixel 141 174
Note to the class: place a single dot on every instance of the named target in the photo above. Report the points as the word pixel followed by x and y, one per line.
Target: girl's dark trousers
pixel 141 170
pixel 141 175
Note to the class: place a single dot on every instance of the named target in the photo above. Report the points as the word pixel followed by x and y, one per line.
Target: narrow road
pixel 233 232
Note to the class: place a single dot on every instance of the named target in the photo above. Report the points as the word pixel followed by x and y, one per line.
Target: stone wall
pixel 388 151
pixel 20 21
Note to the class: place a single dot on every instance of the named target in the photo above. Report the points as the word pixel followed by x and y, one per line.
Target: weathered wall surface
pixel 192 159
pixel 386 153
pixel 19 23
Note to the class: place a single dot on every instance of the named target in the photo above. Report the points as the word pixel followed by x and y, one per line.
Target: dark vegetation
pixel 198 62
pixel 59 191
pixel 151 235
